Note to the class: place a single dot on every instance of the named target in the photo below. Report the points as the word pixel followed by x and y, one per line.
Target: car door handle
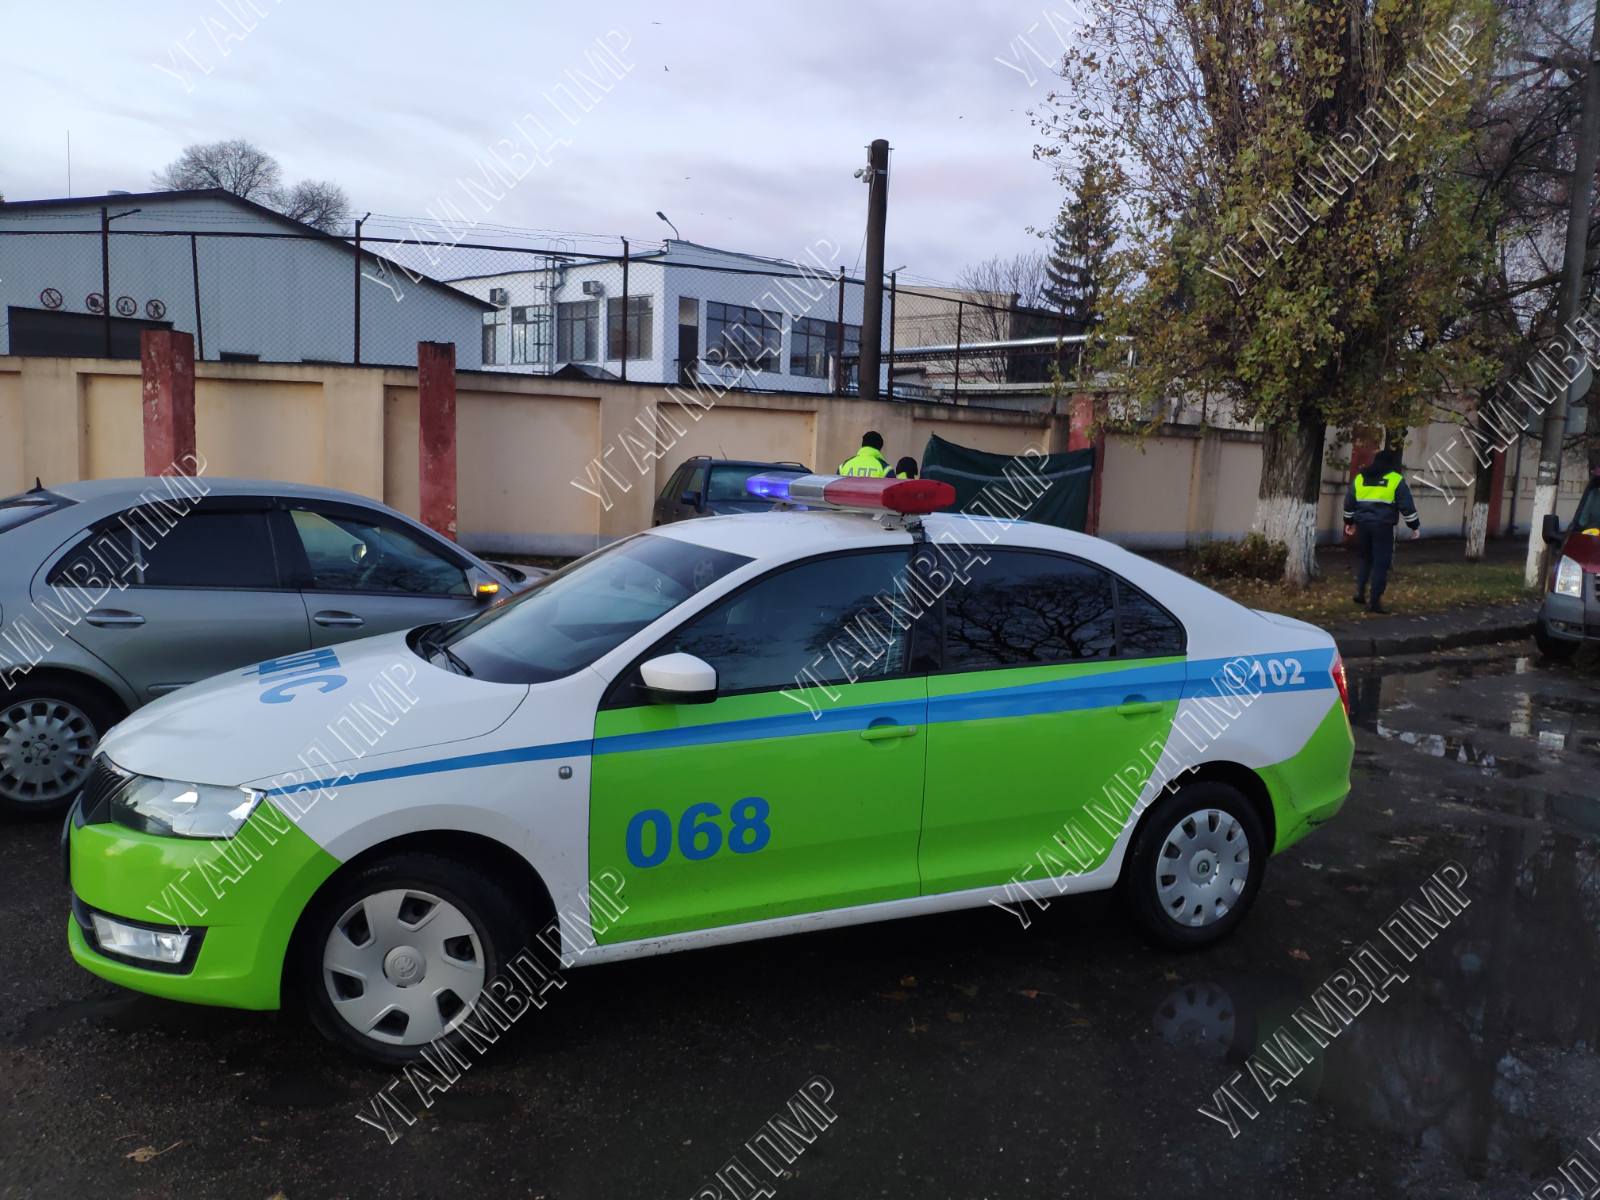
pixel 113 618
pixel 1138 706
pixel 883 730
pixel 334 619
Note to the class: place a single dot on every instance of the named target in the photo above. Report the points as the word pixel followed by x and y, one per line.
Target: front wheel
pixel 1551 647
pixel 1195 865
pixel 396 956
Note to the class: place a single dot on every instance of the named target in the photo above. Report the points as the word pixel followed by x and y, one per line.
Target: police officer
pixel 1377 498
pixel 906 468
pixel 868 460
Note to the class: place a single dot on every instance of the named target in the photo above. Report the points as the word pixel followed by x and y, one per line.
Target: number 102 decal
pixel 1283 672
pixel 700 836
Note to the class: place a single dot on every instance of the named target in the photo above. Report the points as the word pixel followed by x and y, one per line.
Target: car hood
pixel 1583 549
pixel 308 711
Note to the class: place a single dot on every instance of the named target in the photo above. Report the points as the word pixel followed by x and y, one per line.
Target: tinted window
pixel 1022 609
pixel 358 554
pixel 570 618
pixel 727 483
pixel 1147 630
pixel 821 616
pixel 205 550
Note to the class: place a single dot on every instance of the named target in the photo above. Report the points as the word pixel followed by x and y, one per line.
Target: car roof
pixel 133 487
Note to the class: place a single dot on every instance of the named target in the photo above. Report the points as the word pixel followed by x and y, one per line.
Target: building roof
pixel 310 232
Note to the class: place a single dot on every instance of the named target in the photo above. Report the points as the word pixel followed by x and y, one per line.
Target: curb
pixel 1503 626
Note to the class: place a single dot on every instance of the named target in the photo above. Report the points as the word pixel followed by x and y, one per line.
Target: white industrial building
pixel 249 283
pixel 692 312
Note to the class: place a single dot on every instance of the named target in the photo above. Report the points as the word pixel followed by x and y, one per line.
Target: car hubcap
pixel 45 747
pixel 403 966
pixel 1202 868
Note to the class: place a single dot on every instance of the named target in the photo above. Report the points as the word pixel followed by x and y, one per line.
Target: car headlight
pixel 1569 578
pixel 174 809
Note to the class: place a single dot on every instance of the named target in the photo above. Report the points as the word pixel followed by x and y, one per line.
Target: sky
pixel 743 123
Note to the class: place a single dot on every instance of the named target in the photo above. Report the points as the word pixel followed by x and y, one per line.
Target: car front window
pixel 1589 509
pixel 727 483
pixel 571 618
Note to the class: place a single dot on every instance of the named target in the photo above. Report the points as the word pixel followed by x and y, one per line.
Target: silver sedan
pixel 116 591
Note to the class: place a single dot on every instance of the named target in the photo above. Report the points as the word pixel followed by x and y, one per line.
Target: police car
pixel 849 709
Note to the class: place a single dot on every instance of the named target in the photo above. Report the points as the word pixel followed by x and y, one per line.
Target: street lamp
pixel 670 225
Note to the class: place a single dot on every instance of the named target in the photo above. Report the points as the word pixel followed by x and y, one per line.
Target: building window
pixel 744 336
pixel 812 343
pixel 635 328
pixel 491 337
pixel 577 331
pixel 530 334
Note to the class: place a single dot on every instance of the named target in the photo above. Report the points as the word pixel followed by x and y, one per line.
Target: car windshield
pixel 20 509
pixel 570 618
pixel 727 483
pixel 1589 509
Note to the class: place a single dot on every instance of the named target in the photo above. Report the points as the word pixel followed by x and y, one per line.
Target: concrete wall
pixel 522 441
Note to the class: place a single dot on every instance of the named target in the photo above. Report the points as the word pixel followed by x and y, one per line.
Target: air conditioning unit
pixel 593 287
pixel 499 297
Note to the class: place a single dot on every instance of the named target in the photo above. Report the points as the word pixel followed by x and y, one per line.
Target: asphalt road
pixel 969 1057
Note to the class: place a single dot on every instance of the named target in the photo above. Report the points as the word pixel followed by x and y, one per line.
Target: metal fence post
pixel 625 313
pixel 199 324
pixel 105 276
pixel 838 342
pixel 960 308
pixel 892 286
pixel 357 355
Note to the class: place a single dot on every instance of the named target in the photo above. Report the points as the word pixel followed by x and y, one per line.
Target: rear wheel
pixel 396 955
pixel 48 731
pixel 1195 865
pixel 1551 647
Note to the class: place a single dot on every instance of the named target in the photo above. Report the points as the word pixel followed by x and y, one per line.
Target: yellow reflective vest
pixel 1382 492
pixel 866 461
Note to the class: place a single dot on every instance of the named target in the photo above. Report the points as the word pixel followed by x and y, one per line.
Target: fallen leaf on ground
pixel 1033 993
pixel 145 1153
pixel 957 1017
pixel 1292 902
pixel 908 981
pixel 1300 954
pixel 891 995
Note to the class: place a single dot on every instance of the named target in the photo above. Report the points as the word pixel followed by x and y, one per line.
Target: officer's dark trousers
pixel 1375 543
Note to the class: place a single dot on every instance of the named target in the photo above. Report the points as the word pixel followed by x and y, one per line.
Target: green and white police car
pixel 733 728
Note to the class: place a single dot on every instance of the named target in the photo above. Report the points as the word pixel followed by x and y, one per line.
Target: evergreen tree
pixel 1078 267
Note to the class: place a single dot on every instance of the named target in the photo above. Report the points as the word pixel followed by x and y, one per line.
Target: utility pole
pixel 872 289
pixel 105 277
pixel 1547 487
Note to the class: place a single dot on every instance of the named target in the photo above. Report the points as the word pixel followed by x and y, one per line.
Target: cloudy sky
pixel 743 122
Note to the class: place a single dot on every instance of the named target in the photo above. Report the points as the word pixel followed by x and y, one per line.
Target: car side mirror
pixel 679 679
pixel 693 499
pixel 484 586
pixel 1552 529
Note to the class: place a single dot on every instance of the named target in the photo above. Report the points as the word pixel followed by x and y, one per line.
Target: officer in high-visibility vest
pixel 868 460
pixel 1377 498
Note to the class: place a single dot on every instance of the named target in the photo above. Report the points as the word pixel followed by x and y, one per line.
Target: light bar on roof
pixel 908 497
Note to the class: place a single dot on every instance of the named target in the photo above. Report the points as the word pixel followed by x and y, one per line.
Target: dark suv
pixel 1570 614
pixel 710 487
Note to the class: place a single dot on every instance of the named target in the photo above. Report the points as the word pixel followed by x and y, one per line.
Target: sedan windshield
pixel 570 618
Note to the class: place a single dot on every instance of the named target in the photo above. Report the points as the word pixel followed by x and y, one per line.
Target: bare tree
pixel 317 202
pixel 251 173
pixel 995 288
pixel 234 165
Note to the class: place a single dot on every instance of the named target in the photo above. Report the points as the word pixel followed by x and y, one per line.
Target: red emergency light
pixel 908 497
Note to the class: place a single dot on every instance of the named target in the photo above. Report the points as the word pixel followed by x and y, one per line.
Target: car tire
pixel 376 971
pixel 1551 647
pixel 1194 866
pixel 48 724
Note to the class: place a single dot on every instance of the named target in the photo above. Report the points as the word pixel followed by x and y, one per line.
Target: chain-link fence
pixel 672 312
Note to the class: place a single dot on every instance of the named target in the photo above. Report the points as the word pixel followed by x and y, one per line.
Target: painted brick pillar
pixel 1082 435
pixel 166 367
pixel 436 435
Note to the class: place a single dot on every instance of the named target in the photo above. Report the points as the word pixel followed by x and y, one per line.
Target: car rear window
pixel 16 511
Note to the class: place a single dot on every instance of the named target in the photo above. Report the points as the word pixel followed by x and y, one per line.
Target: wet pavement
pixel 969 1056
